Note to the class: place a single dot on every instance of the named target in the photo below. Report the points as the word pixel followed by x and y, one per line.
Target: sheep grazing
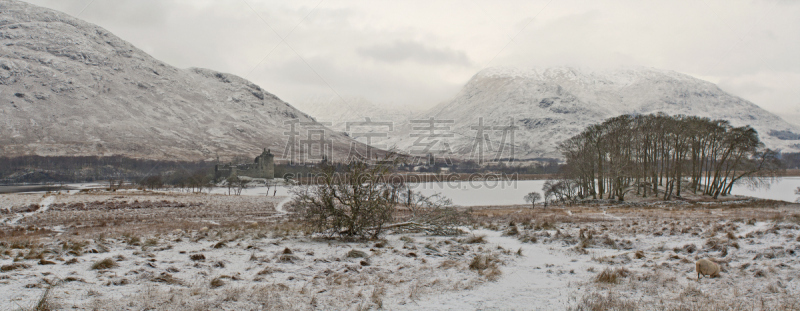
pixel 707 267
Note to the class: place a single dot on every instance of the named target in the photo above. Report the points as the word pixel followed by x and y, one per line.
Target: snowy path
pixel 528 283
pixel 279 207
pixel 43 206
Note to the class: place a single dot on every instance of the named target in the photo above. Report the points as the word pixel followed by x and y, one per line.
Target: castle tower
pixel 265 164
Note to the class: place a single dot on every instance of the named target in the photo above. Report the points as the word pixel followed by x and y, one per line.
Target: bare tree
pixel 197 181
pixel 230 182
pixel 236 184
pixel 269 183
pixel 532 197
pixel 355 202
pixel 359 200
pixel 241 185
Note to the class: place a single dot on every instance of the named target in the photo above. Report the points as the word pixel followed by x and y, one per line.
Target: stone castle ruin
pixel 262 167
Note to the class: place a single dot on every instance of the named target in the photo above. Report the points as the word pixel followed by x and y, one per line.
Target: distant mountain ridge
pixel 553 104
pixel 68 87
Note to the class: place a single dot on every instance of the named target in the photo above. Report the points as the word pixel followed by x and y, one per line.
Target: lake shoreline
pixel 32 188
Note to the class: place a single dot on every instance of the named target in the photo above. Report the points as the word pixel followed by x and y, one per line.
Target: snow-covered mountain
pixel 68 87
pixel 550 105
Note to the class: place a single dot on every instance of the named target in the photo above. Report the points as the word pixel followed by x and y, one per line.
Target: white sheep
pixel 707 267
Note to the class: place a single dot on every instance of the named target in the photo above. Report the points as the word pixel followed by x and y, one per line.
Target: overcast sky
pixel 419 53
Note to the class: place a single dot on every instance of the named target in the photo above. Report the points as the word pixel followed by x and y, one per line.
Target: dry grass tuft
pixel 217 282
pixel 612 276
pixel 448 264
pixel 377 296
pixel 596 302
pixel 13 266
pixel 487 266
pixel 288 258
pixel 691 291
pixel 269 270
pixel 167 278
pixel 475 239
pixel 45 303
pixel 102 264
pixel 381 244
pixel 354 253
pixel 512 231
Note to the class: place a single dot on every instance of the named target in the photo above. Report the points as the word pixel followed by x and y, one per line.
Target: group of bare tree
pixel 195 181
pixel 661 155
pixel 236 184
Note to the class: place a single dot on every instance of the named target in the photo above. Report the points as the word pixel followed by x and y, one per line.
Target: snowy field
pixel 133 250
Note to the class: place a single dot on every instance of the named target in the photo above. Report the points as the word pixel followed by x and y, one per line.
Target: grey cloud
pixel 140 13
pixel 394 52
pixel 400 51
pixel 294 82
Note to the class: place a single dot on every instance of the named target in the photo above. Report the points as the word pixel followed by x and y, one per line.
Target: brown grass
pixel 354 253
pixel 475 239
pixel 167 279
pixel 103 264
pixel 217 282
pixel 598 302
pixel 13 266
pixel 45 302
pixel 612 276
pixel 92 214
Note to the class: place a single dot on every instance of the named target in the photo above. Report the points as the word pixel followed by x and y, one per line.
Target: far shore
pixel 31 188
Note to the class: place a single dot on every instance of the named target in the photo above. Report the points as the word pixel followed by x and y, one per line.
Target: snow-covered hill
pixel 68 87
pixel 550 105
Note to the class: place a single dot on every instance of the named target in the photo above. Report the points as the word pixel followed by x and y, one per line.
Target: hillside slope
pixel 68 87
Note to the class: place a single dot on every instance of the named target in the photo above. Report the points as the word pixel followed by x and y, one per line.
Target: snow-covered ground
pixel 255 257
pixel 534 281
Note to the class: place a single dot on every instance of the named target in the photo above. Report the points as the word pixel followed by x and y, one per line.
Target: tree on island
pixel 532 198
pixel 664 156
